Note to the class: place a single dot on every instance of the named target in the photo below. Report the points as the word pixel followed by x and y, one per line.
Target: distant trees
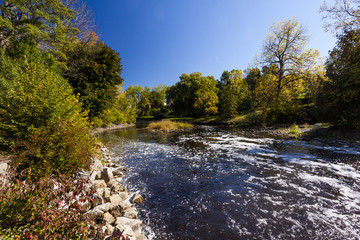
pixel 234 93
pixel 182 96
pixel 206 99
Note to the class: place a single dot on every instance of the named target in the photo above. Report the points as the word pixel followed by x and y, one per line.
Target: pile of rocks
pixel 116 207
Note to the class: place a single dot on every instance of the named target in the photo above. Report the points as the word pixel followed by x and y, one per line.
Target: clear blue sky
pixel 158 40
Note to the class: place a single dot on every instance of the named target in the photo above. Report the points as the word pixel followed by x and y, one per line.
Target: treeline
pixel 289 82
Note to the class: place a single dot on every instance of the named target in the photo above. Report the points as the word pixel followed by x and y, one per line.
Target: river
pixel 221 183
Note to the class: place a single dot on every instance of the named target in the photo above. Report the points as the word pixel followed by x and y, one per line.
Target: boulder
pixel 115 186
pixel 107 194
pixel 3 168
pixel 118 172
pixel 123 195
pixel 123 231
pixel 103 207
pixel 135 224
pixel 110 229
pixel 141 237
pixel 115 199
pixel 99 184
pixel 95 175
pixel 108 218
pixel 97 199
pixel 138 199
pixel 107 174
pixel 118 210
pixel 130 213
pixel 97 165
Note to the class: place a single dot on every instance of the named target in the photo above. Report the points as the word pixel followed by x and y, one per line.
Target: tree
pixel 234 93
pixel 94 73
pixel 339 98
pixel 252 77
pixel 343 15
pixel 206 99
pixel 83 19
pixel 42 22
pixel 181 96
pixel 285 47
pixel 144 104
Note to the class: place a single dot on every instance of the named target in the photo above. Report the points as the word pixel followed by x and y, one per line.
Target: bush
pixel 169 125
pixel 48 209
pixel 39 98
pixel 41 120
pixel 60 148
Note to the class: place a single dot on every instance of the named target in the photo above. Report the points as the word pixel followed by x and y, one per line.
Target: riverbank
pixel 254 122
pixel 112 127
pixel 116 206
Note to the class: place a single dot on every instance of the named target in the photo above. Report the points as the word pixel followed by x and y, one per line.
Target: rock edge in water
pixel 116 206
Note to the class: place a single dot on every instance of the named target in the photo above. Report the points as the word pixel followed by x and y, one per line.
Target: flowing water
pixel 213 183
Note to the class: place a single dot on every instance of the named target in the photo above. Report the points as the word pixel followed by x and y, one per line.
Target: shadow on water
pixel 216 183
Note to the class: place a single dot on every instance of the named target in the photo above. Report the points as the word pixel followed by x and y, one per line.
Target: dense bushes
pixel 62 147
pixel 49 209
pixel 42 121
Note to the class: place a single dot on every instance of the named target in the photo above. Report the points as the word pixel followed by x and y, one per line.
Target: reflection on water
pixel 213 183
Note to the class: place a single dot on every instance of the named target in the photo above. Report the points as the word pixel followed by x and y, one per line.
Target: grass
pixel 166 125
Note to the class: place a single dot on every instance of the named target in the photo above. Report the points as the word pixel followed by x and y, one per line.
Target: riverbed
pixel 223 183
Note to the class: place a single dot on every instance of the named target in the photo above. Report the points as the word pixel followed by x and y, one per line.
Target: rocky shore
pixel 116 206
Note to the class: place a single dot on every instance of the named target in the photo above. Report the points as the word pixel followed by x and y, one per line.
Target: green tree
pixel 181 96
pixel 234 93
pixel 144 104
pixel 339 98
pixel 206 99
pixel 93 70
pixel 42 22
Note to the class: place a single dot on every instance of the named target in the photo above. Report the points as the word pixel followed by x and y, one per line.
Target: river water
pixel 216 183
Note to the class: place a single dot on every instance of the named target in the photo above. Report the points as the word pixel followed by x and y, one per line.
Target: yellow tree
pixel 284 50
pixel 285 47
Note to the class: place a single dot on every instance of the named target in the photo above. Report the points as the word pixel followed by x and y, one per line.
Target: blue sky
pixel 158 40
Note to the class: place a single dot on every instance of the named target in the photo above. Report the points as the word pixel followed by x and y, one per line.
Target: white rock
pixel 123 230
pixel 3 168
pixel 141 237
pixel 110 229
pixel 95 175
pixel 99 184
pixel 97 165
pixel 135 224
pixel 131 213
pixel 108 218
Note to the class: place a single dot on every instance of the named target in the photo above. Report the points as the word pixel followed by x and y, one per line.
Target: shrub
pixel 169 125
pixel 39 98
pixel 60 148
pixel 294 129
pixel 41 120
pixel 48 209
